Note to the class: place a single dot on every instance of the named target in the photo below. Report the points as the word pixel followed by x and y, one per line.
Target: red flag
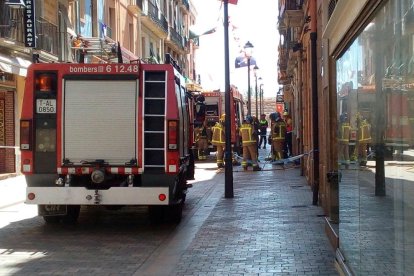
pixel 234 2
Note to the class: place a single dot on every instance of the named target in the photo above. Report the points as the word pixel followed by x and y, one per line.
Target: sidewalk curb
pixel 7 175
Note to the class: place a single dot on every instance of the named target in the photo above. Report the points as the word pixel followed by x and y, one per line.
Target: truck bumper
pixel 112 196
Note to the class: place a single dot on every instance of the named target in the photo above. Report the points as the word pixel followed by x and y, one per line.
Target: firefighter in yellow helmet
pixel 219 140
pixel 343 140
pixel 249 143
pixel 277 135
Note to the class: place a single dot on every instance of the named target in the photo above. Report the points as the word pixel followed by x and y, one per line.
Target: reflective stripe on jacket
pixel 218 137
pixel 246 132
pixel 279 130
pixel 344 132
pixel 364 134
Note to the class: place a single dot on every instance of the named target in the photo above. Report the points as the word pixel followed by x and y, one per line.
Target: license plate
pixel 45 106
pixel 52 210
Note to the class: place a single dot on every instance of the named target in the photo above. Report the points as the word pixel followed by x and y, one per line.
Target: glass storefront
pixel 375 86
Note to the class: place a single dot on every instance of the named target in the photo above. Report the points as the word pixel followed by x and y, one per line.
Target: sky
pixel 254 21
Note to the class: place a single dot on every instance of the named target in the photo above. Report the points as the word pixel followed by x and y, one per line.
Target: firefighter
pixel 200 109
pixel 343 139
pixel 263 125
pixel 288 139
pixel 249 143
pixel 364 138
pixel 202 141
pixel 277 135
pixel 218 139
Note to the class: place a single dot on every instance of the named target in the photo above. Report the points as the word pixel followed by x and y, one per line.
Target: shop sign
pixel 279 99
pixel 30 24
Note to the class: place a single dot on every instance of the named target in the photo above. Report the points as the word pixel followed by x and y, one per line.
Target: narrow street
pixel 269 228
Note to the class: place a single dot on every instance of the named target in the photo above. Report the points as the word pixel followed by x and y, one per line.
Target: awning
pixel 14 65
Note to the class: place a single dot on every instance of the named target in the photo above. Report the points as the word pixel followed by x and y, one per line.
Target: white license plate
pixel 45 106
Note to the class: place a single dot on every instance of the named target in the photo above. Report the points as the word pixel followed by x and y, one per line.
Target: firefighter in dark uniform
pixel 263 125
pixel 364 138
pixel 277 135
pixel 202 141
pixel 219 140
pixel 249 143
pixel 343 140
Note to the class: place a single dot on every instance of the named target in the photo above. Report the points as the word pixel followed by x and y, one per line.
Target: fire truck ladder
pixel 154 120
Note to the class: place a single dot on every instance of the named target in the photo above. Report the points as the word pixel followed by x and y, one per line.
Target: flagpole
pixel 228 185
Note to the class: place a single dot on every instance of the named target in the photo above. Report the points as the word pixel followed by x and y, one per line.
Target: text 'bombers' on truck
pixel 105 134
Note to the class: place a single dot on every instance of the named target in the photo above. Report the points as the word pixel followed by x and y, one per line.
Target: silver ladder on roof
pixel 98 49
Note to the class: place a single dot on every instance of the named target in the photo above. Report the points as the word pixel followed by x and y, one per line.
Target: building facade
pixel 347 68
pixel 43 31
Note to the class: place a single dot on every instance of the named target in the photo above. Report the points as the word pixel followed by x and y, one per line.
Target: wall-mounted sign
pixel 30 24
pixel 279 98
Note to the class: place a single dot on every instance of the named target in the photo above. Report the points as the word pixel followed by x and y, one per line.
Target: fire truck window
pixel 212 110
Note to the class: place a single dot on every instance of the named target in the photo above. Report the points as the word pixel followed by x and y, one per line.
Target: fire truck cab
pixel 105 134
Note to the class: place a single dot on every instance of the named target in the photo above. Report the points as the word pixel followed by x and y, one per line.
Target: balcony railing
pixel 186 4
pixel 157 17
pixel 139 4
pixel 176 37
pixel 47 36
pixel 11 24
pixel 331 7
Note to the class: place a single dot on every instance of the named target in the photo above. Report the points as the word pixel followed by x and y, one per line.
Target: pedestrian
pixel 218 140
pixel 288 139
pixel 249 143
pixel 263 125
pixel 277 135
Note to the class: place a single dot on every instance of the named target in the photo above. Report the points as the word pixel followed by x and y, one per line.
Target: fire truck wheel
pixel 156 213
pixel 72 214
pixel 52 219
pixel 176 212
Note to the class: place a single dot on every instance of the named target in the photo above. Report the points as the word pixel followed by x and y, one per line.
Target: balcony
pixel 176 38
pixel 135 6
pixel 292 13
pixel 47 36
pixel 154 19
pixel 186 4
pixel 11 25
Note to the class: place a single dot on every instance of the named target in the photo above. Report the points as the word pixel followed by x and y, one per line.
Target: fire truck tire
pixel 156 213
pixel 176 212
pixel 52 219
pixel 72 214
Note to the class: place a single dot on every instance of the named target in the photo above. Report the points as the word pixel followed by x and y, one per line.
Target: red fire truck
pixel 105 134
pixel 215 106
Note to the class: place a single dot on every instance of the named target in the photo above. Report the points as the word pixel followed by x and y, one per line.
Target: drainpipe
pixel 314 89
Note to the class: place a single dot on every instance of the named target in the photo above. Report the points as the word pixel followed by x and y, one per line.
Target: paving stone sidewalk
pixel 270 227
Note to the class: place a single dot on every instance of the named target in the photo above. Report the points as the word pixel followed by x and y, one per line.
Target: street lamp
pixel 248 48
pixel 255 70
pixel 261 98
